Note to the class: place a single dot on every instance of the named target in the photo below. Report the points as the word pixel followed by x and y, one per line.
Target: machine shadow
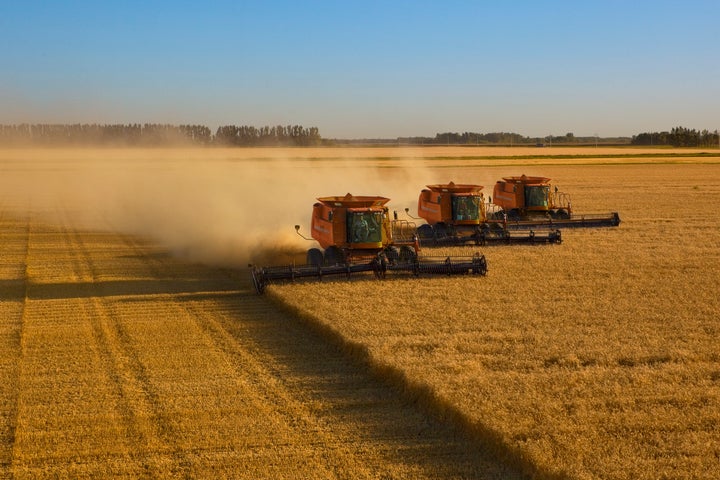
pixel 348 390
pixel 12 290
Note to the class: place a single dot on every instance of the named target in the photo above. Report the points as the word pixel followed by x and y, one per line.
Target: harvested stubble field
pixel 121 361
pixel 123 356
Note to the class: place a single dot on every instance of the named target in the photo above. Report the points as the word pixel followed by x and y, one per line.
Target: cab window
pixel 536 196
pixel 364 227
pixel 466 208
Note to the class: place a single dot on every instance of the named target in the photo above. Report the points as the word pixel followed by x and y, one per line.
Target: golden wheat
pixel 596 358
pixel 120 361
pixel 593 358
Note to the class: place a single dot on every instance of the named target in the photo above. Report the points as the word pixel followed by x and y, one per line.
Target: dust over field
pixel 220 206
pixel 596 358
pixel 232 206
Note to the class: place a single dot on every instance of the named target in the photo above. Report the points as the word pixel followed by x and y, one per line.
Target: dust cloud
pixel 220 210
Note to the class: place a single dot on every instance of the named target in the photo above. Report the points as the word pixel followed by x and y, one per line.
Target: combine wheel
pixel 495 229
pixel 315 257
pixel 425 231
pixel 498 215
pixel 407 254
pixel 392 254
pixel 334 256
pixel 563 214
pixel 441 231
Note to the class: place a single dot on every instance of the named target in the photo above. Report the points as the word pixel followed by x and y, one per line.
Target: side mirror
pixel 297 230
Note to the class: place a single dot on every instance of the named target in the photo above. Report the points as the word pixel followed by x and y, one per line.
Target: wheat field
pixel 134 345
pixel 596 358
pixel 121 361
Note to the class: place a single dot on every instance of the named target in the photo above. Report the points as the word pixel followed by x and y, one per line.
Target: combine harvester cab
pixel 529 202
pixel 347 228
pixel 456 214
pixel 356 234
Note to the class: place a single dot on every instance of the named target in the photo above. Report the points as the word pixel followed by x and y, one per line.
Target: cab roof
pixel 353 201
pixel 455 187
pixel 525 180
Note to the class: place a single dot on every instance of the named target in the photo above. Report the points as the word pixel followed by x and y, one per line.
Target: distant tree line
pixel 291 135
pixel 678 137
pixel 151 134
pixel 468 138
pixel 507 138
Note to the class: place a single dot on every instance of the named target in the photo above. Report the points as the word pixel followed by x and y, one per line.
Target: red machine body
pixel 452 204
pixel 526 201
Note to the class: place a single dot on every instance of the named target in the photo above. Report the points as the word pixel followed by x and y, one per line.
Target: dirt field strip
pixel 133 364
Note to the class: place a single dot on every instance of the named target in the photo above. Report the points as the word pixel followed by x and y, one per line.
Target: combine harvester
pixel 357 235
pixel 456 214
pixel 530 202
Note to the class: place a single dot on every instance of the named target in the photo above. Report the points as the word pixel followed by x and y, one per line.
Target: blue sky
pixel 366 68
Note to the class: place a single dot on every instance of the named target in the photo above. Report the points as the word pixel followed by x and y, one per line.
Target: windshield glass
pixel 364 227
pixel 466 208
pixel 536 196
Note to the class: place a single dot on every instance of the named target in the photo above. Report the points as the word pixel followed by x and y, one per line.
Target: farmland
pixel 133 345
pixel 120 361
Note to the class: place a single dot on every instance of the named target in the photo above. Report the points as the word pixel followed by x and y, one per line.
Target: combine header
pixel 456 214
pixel 356 235
pixel 528 202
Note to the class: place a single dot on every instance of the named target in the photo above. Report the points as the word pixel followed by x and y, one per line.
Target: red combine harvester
pixel 356 235
pixel 456 215
pixel 530 202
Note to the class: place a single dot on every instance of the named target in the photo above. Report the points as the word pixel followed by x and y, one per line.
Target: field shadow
pixel 456 447
pixel 384 416
pixel 12 290
pixel 370 414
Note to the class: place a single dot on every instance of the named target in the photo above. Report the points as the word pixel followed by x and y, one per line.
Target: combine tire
pixel 392 254
pixel 407 254
pixel 425 231
pixel 334 256
pixel 441 231
pixel 315 257
pixel 514 214
pixel 562 214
